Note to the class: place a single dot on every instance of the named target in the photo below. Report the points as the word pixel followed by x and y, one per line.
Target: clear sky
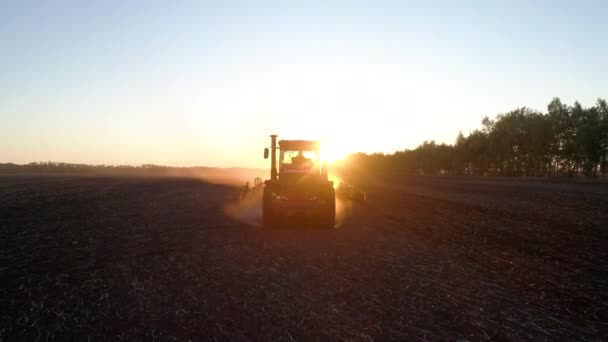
pixel 205 83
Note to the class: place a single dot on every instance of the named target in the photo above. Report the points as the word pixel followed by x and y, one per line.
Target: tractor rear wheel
pixel 328 213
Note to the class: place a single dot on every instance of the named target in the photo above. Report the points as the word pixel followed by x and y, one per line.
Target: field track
pixel 426 258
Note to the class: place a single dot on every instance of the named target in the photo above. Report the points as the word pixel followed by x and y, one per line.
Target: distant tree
pixel 602 111
pixel 588 140
pixel 559 117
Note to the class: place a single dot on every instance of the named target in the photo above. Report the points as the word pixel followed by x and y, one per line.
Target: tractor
pixel 298 188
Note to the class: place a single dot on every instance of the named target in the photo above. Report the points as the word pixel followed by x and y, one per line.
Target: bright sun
pixel 332 152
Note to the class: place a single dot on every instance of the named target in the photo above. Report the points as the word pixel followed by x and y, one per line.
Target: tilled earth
pixel 85 258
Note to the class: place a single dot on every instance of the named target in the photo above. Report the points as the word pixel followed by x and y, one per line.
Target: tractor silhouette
pixel 298 189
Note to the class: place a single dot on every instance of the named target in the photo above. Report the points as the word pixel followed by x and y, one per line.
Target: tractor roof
pixel 299 145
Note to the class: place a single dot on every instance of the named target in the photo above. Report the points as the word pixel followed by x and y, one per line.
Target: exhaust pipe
pixel 273 157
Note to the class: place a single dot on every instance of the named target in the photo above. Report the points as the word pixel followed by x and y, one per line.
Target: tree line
pixel 150 170
pixel 71 168
pixel 564 141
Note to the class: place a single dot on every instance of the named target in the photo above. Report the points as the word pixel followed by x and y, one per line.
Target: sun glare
pixel 332 152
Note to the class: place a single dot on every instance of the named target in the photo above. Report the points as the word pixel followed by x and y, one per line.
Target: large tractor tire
pixel 327 218
pixel 269 214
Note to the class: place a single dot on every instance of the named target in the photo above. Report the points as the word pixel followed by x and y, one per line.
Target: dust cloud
pixel 247 209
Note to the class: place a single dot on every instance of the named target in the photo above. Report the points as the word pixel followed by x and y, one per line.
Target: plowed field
pixel 111 258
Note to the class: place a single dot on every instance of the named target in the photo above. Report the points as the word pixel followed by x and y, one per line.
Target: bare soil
pixel 425 258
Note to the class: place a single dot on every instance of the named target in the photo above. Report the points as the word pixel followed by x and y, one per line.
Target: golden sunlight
pixel 333 151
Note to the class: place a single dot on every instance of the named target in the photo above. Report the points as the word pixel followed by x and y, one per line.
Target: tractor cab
pixel 299 159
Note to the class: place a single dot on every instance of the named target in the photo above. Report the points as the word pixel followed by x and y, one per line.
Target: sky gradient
pixel 192 83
